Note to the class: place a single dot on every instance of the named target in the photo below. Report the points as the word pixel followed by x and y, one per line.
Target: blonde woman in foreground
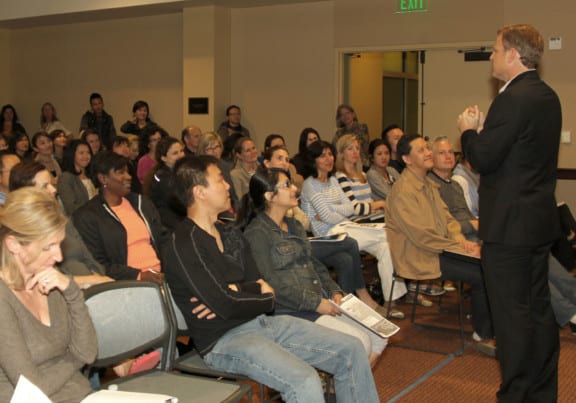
pixel 47 335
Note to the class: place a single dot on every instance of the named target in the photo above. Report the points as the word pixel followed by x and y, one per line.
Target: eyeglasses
pixel 214 148
pixel 285 185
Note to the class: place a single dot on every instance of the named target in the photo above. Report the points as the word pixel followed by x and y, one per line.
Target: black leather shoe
pixel 573 328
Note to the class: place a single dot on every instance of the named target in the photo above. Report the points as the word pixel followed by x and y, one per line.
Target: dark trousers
pixel 344 257
pixel 526 332
pixel 471 273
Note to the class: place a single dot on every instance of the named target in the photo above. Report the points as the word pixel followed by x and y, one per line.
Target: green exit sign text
pixel 411 6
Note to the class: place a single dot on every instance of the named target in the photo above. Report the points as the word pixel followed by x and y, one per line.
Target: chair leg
pixel 415 302
pixel 390 296
pixel 461 314
pixel 440 297
pixel 328 394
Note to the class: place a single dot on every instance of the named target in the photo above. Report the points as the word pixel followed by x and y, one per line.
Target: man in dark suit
pixel 516 153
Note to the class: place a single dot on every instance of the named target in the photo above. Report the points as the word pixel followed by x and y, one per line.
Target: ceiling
pixel 134 10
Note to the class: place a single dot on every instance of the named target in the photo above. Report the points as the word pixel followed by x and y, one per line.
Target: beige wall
pixel 125 60
pixel 283 69
pixel 34 8
pixel 5 81
pixel 566 191
pixel 280 63
pixel 461 84
pixel 206 61
pixel 373 25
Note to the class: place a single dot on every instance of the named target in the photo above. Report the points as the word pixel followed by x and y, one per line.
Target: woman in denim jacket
pixel 284 257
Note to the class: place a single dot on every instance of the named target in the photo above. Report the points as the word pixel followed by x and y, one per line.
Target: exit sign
pixel 411 6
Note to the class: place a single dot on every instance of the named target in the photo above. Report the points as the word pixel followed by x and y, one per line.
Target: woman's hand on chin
pixel 47 280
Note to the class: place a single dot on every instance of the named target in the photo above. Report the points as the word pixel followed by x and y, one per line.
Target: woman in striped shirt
pixel 329 211
pixel 351 178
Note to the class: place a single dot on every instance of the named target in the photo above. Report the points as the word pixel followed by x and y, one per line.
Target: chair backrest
pixel 130 318
pixel 175 313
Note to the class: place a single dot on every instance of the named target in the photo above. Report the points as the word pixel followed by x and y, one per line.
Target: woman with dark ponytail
pixel 284 257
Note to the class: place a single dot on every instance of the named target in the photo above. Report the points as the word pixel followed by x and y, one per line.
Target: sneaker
pixel 449 286
pixel 394 313
pixel 409 299
pixel 427 289
pixel 485 346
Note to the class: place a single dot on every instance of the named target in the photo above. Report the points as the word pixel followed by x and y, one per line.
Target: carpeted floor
pixel 471 377
pixel 406 374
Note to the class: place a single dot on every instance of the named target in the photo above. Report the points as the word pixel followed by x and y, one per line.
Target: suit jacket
pixel 517 156
pixel 72 192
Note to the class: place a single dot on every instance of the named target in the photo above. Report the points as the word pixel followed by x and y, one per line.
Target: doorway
pixel 421 94
pixel 395 100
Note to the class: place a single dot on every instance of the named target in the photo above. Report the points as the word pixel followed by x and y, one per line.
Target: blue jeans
pixel 562 291
pixel 281 351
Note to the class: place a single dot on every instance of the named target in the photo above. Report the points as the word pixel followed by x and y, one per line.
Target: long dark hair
pixel 15 115
pixel 374 144
pixel 144 139
pixel 302 147
pixel 314 151
pixel 142 104
pixel 16 137
pixel 269 152
pixel 270 138
pixel 162 149
pixel 69 157
pixel 37 136
pixel 254 202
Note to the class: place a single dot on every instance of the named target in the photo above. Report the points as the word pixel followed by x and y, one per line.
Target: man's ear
pixel 512 56
pixel 198 192
pixel 269 196
pixel 406 159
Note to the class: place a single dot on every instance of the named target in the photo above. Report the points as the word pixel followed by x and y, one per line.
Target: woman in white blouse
pixel 329 211
pixel 49 121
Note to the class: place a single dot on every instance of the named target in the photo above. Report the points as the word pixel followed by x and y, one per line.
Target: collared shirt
pixel 419 227
pixel 501 90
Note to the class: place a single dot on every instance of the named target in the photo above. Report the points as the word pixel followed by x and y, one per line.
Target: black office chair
pixel 192 362
pixel 132 318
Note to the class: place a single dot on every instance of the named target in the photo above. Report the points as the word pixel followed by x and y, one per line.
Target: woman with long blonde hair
pixel 352 179
pixel 347 122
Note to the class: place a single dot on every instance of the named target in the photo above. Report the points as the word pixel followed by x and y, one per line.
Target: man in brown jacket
pixel 419 228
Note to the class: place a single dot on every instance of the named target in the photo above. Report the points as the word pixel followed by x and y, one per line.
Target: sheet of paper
pixel 117 396
pixel 26 392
